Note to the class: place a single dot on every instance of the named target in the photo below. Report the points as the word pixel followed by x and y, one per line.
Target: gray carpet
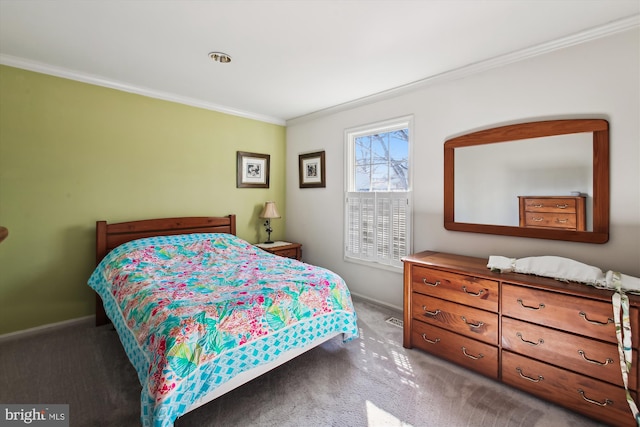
pixel 371 381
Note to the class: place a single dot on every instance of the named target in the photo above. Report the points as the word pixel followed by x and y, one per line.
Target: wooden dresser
pixel 563 212
pixel 552 339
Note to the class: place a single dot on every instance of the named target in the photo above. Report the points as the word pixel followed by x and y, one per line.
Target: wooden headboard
pixel 110 236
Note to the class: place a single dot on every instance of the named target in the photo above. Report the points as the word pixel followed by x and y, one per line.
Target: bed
pixel 200 311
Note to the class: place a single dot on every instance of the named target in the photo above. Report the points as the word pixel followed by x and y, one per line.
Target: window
pixel 378 192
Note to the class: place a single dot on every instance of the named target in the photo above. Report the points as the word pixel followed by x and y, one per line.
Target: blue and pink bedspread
pixel 193 311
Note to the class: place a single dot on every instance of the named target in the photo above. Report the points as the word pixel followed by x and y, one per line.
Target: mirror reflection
pixel 490 178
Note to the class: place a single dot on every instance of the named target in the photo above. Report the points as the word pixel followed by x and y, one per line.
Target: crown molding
pixel 468 70
pixel 595 33
pixel 40 67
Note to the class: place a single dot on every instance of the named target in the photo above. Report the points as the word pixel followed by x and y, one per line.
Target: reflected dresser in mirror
pixel 563 212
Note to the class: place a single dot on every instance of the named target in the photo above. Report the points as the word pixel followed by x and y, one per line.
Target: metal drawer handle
pixel 539 205
pixel 533 380
pixel 473 325
pixel 561 221
pixel 471 356
pixel 595 402
pixel 565 206
pixel 430 313
pixel 480 292
pixel 436 341
pixel 595 362
pixel 424 280
pixel 537 219
pixel 540 340
pixel 541 305
pixel 595 322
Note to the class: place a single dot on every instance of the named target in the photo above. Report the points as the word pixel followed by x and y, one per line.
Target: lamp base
pixel 269 241
pixel 268 230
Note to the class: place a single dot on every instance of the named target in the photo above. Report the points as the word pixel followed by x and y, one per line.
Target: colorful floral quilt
pixel 193 311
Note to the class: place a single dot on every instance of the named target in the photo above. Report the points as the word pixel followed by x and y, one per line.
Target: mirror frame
pixel 600 130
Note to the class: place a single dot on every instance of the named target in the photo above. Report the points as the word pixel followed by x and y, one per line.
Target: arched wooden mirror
pixel 494 177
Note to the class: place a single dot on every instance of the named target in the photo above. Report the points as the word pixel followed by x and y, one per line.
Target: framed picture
pixel 311 170
pixel 252 170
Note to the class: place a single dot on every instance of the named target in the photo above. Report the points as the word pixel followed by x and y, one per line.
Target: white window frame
pixel 364 240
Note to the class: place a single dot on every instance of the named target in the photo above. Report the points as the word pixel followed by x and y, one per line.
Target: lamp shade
pixel 270 211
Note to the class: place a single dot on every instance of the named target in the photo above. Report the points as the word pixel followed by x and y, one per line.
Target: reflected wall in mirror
pixel 488 172
pixel 487 192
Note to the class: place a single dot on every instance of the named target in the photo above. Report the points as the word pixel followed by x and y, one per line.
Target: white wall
pixel 597 79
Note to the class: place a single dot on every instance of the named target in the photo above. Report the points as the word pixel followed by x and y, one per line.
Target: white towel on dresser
pixel 563 269
pixel 549 266
pixel 629 283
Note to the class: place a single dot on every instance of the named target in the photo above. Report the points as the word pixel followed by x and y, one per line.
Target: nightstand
pixel 283 249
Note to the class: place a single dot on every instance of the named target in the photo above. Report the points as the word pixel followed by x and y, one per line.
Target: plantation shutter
pixel 361 226
pixel 377 226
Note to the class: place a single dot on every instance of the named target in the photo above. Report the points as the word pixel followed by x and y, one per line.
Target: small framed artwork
pixel 311 170
pixel 252 170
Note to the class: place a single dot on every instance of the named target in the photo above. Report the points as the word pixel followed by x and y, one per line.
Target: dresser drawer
pixel 594 398
pixel 468 321
pixel 570 313
pixel 580 354
pixel 469 290
pixel 472 354
pixel 551 204
pixel 550 220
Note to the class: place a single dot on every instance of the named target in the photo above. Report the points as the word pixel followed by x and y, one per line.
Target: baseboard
pixel 52 326
pixel 375 301
pixel 43 328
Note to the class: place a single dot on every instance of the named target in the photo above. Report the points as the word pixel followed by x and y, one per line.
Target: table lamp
pixel 269 212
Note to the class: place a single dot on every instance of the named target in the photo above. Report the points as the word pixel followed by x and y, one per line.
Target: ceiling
pixel 289 58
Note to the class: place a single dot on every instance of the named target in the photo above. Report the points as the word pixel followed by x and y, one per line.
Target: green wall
pixel 73 153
